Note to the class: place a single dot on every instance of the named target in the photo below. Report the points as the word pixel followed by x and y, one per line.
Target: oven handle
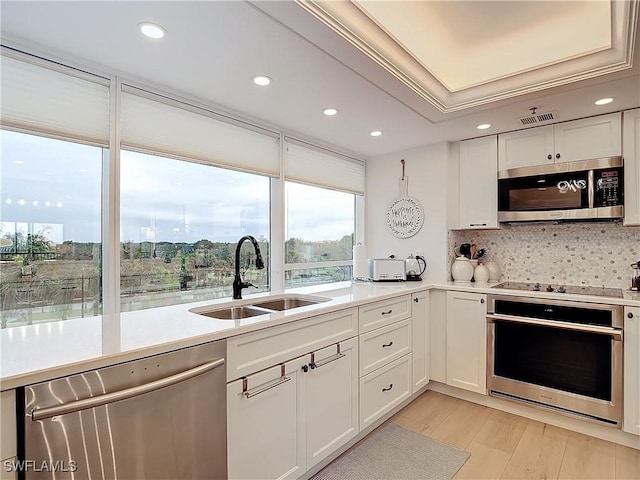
pixel 615 333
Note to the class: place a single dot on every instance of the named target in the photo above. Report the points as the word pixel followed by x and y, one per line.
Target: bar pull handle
pixel 384 345
pixel 338 355
pixel 387 313
pixel 99 400
pixel 267 386
pixel 388 388
pixel 614 333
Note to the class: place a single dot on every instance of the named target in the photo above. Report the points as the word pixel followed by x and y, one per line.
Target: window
pixel 320 228
pixel 180 223
pixel 50 229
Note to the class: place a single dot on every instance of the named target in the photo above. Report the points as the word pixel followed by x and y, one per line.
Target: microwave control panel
pixel 608 188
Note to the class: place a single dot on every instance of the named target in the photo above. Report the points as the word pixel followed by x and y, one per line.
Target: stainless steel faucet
pixel 238 284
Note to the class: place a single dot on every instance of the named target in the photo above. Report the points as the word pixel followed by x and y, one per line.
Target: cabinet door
pixel 420 339
pixel 331 400
pixel 631 419
pixel 478 183
pixel 588 138
pixel 264 430
pixel 466 341
pixel 526 148
pixel 631 153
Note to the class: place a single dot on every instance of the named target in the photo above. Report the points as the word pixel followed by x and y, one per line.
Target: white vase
pixel 481 274
pixel 462 270
pixel 494 271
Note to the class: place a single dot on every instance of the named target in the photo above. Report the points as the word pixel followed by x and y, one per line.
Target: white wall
pixel 430 171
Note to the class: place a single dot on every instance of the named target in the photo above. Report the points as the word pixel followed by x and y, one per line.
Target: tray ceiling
pixel 501 49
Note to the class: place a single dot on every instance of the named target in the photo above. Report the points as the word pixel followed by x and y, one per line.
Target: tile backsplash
pixel 594 254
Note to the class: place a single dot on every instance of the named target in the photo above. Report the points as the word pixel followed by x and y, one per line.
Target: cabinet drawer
pixel 382 390
pixel 258 350
pixel 384 312
pixel 383 345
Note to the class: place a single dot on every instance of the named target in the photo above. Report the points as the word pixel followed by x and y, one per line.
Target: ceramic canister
pixel 481 274
pixel 462 270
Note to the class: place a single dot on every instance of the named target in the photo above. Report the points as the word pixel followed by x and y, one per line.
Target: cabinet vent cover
pixel 538 118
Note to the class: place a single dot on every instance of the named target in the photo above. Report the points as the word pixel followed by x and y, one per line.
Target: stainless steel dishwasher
pixel 160 417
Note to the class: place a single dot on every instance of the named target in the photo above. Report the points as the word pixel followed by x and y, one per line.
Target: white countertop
pixel 36 353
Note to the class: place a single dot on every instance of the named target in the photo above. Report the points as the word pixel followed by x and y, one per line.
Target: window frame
pixel 111 159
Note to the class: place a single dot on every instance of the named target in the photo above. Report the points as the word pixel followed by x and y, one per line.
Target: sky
pixel 55 186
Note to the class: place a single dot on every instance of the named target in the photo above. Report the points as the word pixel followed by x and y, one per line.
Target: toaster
pixel 387 270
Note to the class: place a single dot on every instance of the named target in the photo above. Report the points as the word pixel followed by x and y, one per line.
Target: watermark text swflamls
pixel 39 466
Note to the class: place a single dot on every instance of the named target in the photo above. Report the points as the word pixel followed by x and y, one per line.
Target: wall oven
pixel 589 189
pixel 564 355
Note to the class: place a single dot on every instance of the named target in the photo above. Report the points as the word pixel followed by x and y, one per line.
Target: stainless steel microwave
pixel 583 190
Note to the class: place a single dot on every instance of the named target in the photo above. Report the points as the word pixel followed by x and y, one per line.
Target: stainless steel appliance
pixel 570 289
pixel 159 417
pixel 584 190
pixel 387 269
pixel 558 354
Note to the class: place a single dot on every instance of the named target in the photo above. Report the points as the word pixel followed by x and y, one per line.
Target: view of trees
pixel 43 280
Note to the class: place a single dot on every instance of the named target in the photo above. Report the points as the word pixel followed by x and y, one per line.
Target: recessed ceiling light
pixel 152 30
pixel 603 101
pixel 261 80
pixel 330 112
pixel 84 170
pixel 375 133
pixel 483 126
pixel 19 162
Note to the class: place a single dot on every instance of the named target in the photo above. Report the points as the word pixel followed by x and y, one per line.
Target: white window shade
pixel 164 126
pixel 314 167
pixel 51 102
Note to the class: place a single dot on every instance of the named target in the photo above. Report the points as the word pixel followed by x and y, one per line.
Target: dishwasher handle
pixel 91 402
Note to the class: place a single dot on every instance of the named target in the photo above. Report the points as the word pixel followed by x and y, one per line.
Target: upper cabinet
pixel 478 183
pixel 631 153
pixel 584 139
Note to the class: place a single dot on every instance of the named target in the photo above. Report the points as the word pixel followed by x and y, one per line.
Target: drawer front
pixel 382 390
pixel 383 345
pixel 384 312
pixel 258 350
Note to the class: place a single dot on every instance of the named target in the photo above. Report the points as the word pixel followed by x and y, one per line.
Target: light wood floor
pixel 506 446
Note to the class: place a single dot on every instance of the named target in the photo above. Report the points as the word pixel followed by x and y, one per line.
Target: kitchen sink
pixel 262 306
pixel 234 313
pixel 286 303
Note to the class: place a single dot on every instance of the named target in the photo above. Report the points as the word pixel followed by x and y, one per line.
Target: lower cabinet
pixel 382 390
pixel 420 340
pixel 285 419
pixel 631 418
pixel 467 341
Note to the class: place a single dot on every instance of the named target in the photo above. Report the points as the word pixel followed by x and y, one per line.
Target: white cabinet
pixel 384 389
pixel 8 433
pixel 478 183
pixel 525 148
pixel 467 341
pixel 264 437
pixel 631 419
pixel 283 420
pixel 631 154
pixel 420 339
pixel 385 357
pixel 438 335
pixel 329 393
pixel 583 139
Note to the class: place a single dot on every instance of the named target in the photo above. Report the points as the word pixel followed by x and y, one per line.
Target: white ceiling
pixel 214 48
